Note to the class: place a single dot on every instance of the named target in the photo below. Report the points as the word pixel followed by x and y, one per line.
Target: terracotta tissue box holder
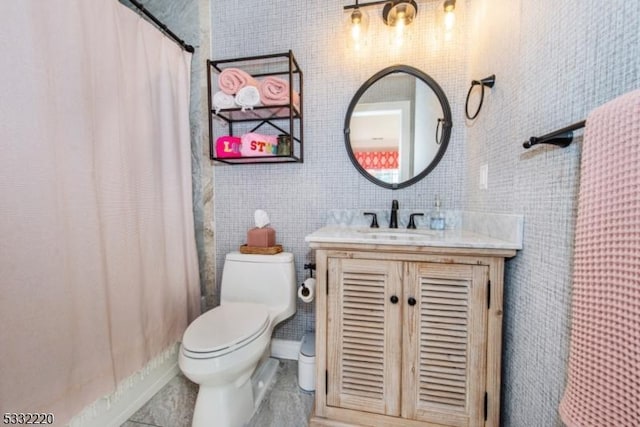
pixel 261 241
pixel 261 237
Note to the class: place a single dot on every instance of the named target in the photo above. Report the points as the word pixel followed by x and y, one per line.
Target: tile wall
pixel 298 196
pixel 554 62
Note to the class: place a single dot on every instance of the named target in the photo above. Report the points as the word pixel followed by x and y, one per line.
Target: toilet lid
pixel 225 326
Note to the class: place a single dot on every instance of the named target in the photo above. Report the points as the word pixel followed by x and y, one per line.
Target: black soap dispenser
pixel 437 217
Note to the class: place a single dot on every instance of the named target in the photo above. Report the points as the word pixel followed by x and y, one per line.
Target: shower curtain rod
pixel 561 137
pixel 163 27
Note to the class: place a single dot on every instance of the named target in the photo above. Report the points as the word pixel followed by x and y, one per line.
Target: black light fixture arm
pixel 373 3
pixel 163 27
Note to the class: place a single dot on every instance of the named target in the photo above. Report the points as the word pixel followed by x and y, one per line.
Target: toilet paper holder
pixel 311 266
pixel 305 291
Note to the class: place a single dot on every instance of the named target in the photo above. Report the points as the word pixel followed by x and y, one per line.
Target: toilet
pixel 226 349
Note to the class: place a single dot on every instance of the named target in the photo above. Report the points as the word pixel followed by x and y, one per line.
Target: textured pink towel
pixel 275 91
pixel 231 80
pixel 603 384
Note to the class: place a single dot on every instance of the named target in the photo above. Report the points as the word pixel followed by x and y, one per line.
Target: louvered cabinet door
pixel 445 343
pixel 364 335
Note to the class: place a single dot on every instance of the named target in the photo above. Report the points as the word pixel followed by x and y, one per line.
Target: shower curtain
pixel 98 265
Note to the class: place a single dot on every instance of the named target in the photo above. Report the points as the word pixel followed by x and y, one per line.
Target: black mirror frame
pixel 447 124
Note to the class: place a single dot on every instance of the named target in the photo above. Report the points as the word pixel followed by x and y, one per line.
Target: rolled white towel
pixel 222 100
pixel 248 97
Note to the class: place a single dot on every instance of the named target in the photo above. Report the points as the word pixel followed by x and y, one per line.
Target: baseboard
pixel 285 349
pixel 114 410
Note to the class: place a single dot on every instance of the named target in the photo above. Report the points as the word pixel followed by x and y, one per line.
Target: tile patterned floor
pixel 284 405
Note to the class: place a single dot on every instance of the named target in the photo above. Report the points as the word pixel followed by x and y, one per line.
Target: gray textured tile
pixel 284 405
pixel 137 424
pixel 283 409
pixel 172 406
pixel 287 379
pixel 549 75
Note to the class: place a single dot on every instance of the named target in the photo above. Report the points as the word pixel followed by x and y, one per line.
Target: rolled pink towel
pixel 275 91
pixel 231 80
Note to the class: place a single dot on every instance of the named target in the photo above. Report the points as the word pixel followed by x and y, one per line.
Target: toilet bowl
pixel 222 348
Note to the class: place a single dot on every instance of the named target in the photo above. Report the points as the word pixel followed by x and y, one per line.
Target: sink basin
pixel 399 233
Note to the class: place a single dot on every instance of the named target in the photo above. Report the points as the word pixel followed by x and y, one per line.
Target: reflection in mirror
pixel 391 128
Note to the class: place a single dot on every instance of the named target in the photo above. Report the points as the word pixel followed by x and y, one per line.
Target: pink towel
pixel 231 80
pixel 275 91
pixel 603 384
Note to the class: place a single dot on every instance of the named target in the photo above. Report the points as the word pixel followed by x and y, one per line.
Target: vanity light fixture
pixel 395 13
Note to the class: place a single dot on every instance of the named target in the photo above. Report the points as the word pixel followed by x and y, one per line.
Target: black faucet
pixel 412 222
pixel 374 221
pixel 393 221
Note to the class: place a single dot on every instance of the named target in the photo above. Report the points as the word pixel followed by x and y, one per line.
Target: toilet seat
pixel 224 329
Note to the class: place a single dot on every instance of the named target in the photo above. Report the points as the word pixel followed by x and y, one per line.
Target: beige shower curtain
pixel 98 266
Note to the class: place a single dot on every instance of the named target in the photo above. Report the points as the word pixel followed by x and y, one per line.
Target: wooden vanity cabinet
pixel 408 336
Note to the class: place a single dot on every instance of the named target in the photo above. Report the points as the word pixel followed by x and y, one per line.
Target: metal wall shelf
pixel 285 119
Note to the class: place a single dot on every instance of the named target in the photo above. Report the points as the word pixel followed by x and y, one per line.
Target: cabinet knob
pixel 411 301
pixel 393 299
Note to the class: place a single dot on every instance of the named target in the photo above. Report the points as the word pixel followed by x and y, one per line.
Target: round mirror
pixel 397 126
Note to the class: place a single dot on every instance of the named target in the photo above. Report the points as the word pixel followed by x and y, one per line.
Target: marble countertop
pixel 456 238
pixel 464 229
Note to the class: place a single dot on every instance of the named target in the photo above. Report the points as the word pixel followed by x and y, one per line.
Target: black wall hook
pixel 487 81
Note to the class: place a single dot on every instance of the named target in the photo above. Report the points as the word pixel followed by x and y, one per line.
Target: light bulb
pixel 449 20
pixel 402 18
pixel 449 14
pixel 357 23
pixel 399 30
pixel 399 36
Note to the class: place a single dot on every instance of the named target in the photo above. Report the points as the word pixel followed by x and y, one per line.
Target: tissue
pixel 261 218
pixel 307 292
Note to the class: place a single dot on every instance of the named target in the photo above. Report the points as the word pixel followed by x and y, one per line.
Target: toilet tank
pixel 263 279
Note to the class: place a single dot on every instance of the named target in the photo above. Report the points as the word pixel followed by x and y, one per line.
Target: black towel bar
pixel 561 137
